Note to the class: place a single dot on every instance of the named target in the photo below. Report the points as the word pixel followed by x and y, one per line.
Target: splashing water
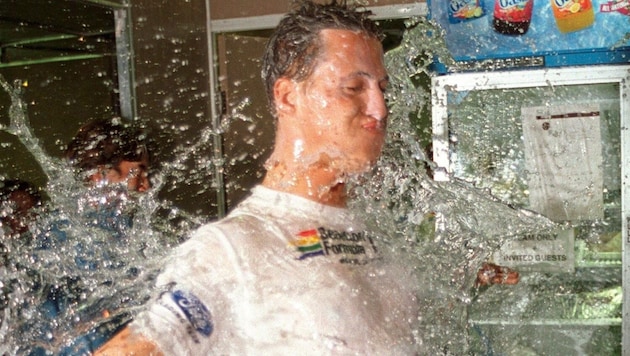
pixel 450 228
pixel 89 260
pixel 444 229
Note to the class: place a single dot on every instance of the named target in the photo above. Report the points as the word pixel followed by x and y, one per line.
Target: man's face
pixel 340 106
pixel 133 173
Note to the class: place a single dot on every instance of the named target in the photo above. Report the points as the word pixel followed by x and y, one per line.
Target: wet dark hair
pixel 21 196
pixel 295 45
pixel 106 142
pixel 10 186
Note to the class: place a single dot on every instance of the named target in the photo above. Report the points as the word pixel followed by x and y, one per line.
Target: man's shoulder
pixel 239 223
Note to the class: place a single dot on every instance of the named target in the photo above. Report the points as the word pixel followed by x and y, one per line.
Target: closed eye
pixel 353 88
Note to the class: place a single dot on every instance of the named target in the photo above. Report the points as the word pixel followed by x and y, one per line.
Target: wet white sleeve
pixel 182 320
pixel 179 323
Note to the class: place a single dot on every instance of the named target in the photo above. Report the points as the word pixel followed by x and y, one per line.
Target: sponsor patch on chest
pixel 345 247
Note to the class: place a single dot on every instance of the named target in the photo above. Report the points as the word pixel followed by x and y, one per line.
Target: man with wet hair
pixel 18 198
pixel 295 45
pixel 291 269
pixel 112 159
pixel 107 151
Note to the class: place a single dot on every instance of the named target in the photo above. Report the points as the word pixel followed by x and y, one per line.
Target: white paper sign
pixel 553 252
pixel 563 158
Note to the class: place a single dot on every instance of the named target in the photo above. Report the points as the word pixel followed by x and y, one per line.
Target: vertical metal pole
pixel 218 159
pixel 124 56
pixel 624 113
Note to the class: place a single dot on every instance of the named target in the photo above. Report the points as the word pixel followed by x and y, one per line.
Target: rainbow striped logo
pixel 308 244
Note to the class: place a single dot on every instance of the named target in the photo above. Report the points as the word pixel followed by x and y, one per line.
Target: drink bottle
pixel 512 17
pixel 573 15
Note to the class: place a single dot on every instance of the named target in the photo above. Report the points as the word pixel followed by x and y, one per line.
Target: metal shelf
pixel 549 322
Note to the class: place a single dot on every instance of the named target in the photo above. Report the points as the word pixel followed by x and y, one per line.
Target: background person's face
pixel 135 174
pixel 341 106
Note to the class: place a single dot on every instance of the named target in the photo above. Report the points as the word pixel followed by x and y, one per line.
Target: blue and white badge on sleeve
pixel 195 311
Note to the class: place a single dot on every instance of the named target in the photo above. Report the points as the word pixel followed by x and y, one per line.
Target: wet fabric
pixel 280 275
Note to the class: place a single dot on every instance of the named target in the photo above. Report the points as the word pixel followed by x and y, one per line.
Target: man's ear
pixel 284 95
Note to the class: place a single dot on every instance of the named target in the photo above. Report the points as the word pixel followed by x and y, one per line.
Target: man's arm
pixel 128 343
pixel 494 274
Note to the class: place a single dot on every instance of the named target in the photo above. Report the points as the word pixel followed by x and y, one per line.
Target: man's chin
pixel 358 168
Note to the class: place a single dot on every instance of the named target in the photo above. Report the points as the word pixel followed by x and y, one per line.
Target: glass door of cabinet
pixel 553 141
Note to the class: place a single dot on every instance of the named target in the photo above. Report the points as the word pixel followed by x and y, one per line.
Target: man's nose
pixel 376 106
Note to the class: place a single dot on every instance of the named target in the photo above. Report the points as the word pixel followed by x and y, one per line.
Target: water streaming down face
pixel 399 198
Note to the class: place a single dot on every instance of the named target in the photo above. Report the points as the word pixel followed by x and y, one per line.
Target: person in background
pixel 19 204
pixel 18 199
pixel 109 151
pixel 112 160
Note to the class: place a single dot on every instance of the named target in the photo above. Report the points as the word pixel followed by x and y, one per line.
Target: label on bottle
pixel 573 15
pixel 463 10
pixel 513 10
pixel 571 6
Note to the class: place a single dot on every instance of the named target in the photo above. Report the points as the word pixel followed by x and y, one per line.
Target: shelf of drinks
pixel 547 322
